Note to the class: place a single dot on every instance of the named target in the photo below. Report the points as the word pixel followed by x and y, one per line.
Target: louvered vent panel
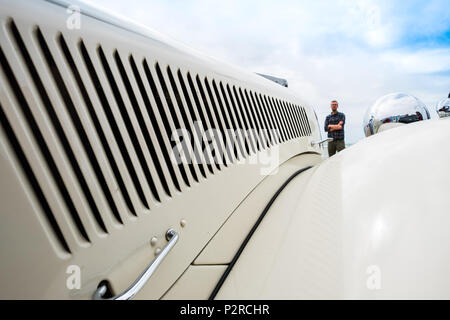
pixel 101 121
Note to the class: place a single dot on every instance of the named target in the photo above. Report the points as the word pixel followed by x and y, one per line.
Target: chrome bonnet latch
pixel 321 142
pixel 131 291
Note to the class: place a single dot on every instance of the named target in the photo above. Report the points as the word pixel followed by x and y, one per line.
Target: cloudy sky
pixel 352 51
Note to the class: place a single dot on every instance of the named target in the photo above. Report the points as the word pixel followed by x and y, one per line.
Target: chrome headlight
pixel 443 108
pixel 393 110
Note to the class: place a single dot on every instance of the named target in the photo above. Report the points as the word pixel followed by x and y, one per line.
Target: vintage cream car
pixel 98 202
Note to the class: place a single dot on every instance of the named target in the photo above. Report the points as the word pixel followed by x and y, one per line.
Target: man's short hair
pixel 334 101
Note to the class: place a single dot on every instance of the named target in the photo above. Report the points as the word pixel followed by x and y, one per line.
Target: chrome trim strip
pixel 321 142
pixel 131 291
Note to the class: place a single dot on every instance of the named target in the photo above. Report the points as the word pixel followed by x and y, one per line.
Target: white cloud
pixel 423 61
pixel 353 51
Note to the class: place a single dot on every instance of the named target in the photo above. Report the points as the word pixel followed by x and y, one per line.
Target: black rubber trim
pixel 252 231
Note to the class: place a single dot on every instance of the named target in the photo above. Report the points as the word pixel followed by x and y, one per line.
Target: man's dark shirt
pixel 335 119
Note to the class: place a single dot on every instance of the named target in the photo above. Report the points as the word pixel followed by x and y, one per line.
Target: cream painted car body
pixel 87 115
pixel 88 180
pixel 370 223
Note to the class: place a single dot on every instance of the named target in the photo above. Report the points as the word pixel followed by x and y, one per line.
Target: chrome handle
pixel 172 237
pixel 321 142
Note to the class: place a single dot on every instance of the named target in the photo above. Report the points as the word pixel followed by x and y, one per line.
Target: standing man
pixel 334 125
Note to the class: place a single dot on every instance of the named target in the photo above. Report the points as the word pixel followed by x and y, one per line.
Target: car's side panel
pixel 196 283
pixel 225 243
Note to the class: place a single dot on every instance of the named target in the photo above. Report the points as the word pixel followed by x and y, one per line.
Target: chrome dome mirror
pixel 394 110
pixel 443 107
